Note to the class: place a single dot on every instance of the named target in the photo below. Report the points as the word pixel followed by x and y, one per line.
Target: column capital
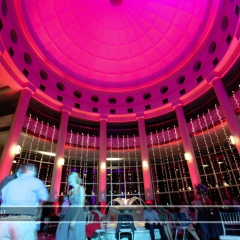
pixel 177 103
pixel 103 117
pixel 213 77
pixel 66 109
pixel 140 115
pixel 29 86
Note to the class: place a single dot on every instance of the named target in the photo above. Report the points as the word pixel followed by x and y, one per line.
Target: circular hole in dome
pixel 77 94
pixel 4 8
pixel 129 99
pixel 197 66
pixel 164 89
pixel 95 99
pixel 116 2
pixel 14 36
pixel 60 86
pixel 212 47
pixel 224 23
pixel 146 96
pixel 181 80
pixel 27 58
pixel 43 75
pixel 112 100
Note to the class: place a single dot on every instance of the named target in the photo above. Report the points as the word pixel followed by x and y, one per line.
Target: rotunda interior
pixel 140 97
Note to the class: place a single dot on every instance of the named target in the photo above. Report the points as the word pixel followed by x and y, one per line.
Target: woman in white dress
pixel 72 226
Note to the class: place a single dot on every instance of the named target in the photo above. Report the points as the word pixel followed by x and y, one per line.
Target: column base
pixel 102 207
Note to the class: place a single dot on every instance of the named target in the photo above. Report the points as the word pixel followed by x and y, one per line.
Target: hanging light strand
pixel 44 146
pixel 76 150
pixel 129 167
pixel 235 99
pixel 68 162
pixel 154 161
pixel 24 139
pixel 214 149
pixel 51 150
pixel 81 156
pixel 39 138
pixel 111 155
pixel 86 163
pixel 181 159
pixel 208 152
pixel 33 138
pixel 199 152
pixel 221 150
pixel 124 166
pixel 94 167
pixel 161 162
pixel 227 139
pixel 136 161
pixel 165 148
pixel 174 164
pixel 118 147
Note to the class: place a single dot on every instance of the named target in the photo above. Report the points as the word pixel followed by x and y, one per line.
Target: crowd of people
pixel 23 196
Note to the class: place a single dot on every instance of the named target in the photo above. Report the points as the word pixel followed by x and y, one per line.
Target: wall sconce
pixel 61 161
pixel 103 166
pixel 232 140
pixel 145 164
pixel 187 156
pixel 18 149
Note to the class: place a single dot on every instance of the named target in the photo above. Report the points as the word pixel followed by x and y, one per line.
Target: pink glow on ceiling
pixel 116 43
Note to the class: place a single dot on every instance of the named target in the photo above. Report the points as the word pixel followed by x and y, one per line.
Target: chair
pixel 125 226
pixel 125 229
pixel 230 222
pixel 184 223
pixel 102 233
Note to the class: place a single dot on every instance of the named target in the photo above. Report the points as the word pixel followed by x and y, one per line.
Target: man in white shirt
pixel 20 204
pixel 151 219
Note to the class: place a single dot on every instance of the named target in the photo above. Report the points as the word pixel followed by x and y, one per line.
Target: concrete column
pixel 14 133
pixel 102 191
pixel 187 145
pixel 228 111
pixel 147 182
pixel 57 168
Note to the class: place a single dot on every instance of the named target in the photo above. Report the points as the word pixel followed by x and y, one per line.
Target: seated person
pixel 186 216
pixel 173 216
pixel 151 219
pixel 125 220
pixel 163 217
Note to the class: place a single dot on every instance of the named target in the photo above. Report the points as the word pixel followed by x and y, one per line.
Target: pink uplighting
pixel 112 43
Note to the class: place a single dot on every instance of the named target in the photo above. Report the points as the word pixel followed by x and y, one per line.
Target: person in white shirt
pixel 151 219
pixel 20 203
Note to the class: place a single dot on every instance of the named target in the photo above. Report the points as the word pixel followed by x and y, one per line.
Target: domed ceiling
pixel 116 43
pixel 117 58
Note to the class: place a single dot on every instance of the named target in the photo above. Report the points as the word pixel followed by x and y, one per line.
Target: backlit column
pixel 145 159
pixel 187 145
pixel 57 168
pixel 102 161
pixel 228 111
pixel 14 133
